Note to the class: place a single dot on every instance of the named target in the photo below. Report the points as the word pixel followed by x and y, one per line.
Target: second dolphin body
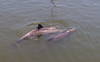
pixel 58 36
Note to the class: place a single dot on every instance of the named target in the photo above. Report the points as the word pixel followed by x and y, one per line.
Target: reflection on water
pixel 53 17
pixel 17 17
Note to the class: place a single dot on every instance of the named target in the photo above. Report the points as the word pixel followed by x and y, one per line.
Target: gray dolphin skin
pixel 58 36
pixel 38 31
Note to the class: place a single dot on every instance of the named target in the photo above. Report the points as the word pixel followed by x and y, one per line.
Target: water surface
pixel 17 17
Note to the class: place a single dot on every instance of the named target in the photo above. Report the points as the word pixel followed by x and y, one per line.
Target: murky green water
pixel 17 17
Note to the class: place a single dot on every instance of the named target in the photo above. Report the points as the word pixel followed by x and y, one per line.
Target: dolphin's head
pixel 70 30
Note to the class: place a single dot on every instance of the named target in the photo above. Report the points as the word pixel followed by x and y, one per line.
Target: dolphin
pixel 58 36
pixel 38 31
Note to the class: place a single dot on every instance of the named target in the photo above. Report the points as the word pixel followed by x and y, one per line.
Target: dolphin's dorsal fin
pixel 39 26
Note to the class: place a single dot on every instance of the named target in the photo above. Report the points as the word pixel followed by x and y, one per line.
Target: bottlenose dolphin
pixel 38 31
pixel 58 36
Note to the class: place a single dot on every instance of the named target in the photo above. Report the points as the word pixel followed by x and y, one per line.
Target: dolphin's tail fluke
pixel 15 45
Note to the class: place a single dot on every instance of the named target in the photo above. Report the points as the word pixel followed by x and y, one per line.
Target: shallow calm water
pixel 17 17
